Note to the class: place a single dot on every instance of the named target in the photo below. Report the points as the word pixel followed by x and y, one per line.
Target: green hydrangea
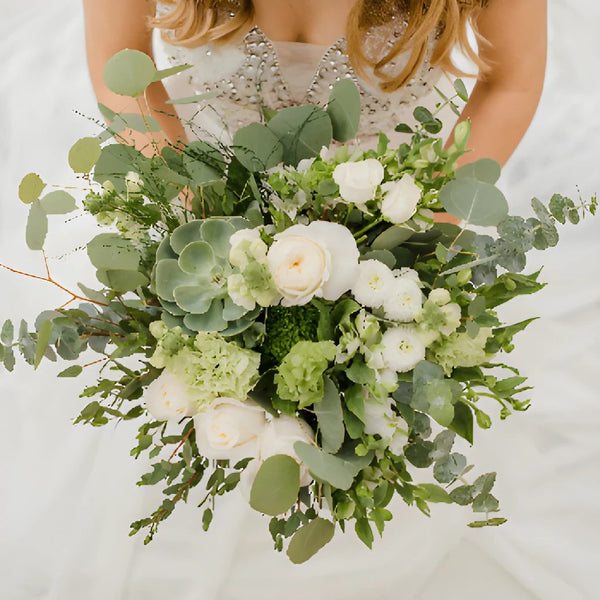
pixel 299 377
pixel 210 365
pixel 460 350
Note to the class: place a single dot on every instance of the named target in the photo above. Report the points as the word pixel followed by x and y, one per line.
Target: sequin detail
pixel 251 80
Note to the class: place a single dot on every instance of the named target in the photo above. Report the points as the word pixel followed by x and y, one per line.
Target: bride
pixel 417 558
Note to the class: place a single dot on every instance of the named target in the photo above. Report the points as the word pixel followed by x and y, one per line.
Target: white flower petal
pixel 168 399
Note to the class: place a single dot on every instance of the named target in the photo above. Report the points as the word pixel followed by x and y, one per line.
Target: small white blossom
pixel 402 348
pixel 404 300
pixel 372 283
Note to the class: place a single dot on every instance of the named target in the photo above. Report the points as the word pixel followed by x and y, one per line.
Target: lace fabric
pixel 243 80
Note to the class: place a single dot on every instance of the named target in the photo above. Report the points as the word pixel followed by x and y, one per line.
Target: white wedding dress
pixel 67 493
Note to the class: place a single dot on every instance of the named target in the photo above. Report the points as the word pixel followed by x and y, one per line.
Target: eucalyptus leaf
pixel 337 470
pixel 129 72
pixel 303 131
pixel 84 154
pixel 121 280
pixel 309 539
pixel 193 99
pixel 37 226
pixel 461 89
pixel 58 203
pixel 484 169
pixel 30 188
pixel 116 160
pixel 164 73
pixel 276 485
pixel 137 122
pixel 330 418
pixel 72 371
pixel 257 147
pixel 392 237
pixel 42 342
pixel 111 251
pixel 476 202
pixel 8 333
pixel 343 109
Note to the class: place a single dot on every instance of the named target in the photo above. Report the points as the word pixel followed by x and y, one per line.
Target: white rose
pixel 402 348
pixel 403 301
pixel 319 259
pixel 400 199
pixel 279 437
pixel 373 282
pixel 358 181
pixel 230 429
pixel 168 399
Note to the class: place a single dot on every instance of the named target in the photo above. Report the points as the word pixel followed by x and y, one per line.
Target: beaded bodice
pixel 243 80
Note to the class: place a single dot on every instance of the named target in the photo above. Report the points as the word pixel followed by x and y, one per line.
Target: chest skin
pixel 308 21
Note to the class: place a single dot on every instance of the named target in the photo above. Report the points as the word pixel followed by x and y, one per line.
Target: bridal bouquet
pixel 286 315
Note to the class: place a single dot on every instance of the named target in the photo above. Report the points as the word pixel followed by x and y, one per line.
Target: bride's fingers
pixel 444 217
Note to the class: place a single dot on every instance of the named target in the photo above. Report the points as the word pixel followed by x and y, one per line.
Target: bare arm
pixel 504 101
pixel 111 26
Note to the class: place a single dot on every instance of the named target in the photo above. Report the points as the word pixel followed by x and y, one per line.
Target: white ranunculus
pixel 439 296
pixel 279 437
pixel 373 283
pixel 319 259
pixel 168 399
pixel 403 301
pixel 358 180
pixel 229 429
pixel 402 348
pixel 400 199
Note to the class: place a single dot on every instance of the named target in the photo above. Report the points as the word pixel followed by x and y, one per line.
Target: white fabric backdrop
pixel 67 494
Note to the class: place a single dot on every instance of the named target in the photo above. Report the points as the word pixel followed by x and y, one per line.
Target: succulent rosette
pixel 300 325
pixel 191 273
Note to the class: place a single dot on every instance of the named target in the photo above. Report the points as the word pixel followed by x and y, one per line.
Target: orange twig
pixel 181 443
pixel 49 279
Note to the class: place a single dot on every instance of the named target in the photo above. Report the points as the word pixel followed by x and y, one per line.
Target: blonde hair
pixel 193 23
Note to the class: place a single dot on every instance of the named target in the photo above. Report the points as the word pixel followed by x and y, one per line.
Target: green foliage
pixel 129 72
pixel 309 539
pixel 177 296
pixel 343 109
pixel 302 131
pixel 276 485
pixel 84 154
pixel 30 188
